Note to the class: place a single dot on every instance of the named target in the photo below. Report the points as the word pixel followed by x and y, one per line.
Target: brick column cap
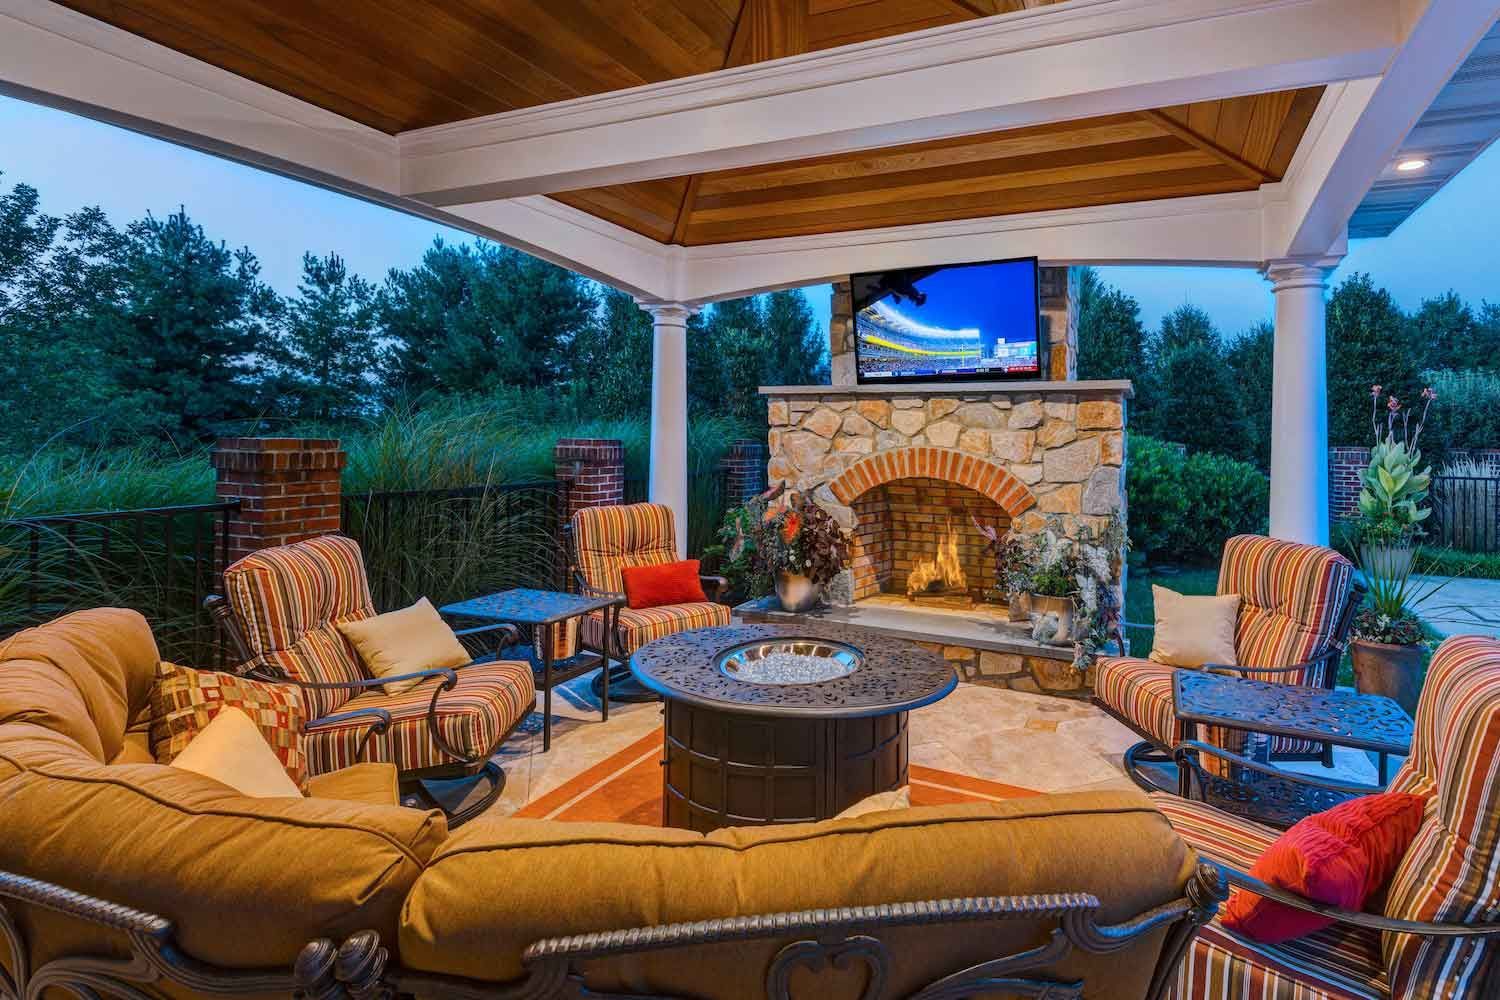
pixel 277 454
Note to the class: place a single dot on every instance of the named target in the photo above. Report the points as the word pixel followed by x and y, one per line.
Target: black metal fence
pixel 1466 512
pixel 708 497
pixel 447 545
pixel 161 561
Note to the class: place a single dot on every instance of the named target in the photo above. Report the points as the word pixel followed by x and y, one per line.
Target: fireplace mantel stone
pixel 1115 388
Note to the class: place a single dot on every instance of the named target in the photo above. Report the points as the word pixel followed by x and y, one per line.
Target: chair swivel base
pixel 1150 768
pixel 459 799
pixel 622 686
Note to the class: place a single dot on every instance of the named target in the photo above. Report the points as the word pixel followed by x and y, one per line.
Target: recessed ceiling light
pixel 1409 166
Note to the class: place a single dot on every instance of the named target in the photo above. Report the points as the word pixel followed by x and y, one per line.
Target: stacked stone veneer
pixel 1058 293
pixel 1033 452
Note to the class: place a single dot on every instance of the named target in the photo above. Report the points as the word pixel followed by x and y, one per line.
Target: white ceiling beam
pixel 1090 57
pixel 1361 126
pixel 1212 230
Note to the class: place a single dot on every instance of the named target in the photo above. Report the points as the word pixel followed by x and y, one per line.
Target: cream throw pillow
pixel 1192 631
pixel 900 798
pixel 403 642
pixel 231 750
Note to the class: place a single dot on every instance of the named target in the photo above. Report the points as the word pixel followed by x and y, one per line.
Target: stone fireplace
pixel 909 469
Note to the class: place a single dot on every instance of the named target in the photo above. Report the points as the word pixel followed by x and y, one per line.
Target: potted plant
pixel 804 548
pixel 1388 649
pixel 1014 560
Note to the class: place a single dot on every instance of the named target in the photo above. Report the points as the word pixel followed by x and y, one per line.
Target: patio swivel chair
pixel 1435 934
pixel 282 609
pixel 604 542
pixel 1297 604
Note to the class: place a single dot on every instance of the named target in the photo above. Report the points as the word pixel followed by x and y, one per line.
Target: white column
pixel 1299 402
pixel 669 411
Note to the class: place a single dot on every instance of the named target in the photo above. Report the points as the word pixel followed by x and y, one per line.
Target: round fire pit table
pixel 783 723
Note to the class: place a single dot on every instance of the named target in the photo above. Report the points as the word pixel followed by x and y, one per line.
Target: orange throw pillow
pixel 1342 856
pixel 667 583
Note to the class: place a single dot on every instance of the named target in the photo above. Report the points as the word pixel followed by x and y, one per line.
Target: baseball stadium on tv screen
pixel 953 322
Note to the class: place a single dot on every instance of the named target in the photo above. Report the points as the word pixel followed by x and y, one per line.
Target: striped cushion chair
pixel 607 540
pixel 1295 611
pixel 1438 934
pixel 283 606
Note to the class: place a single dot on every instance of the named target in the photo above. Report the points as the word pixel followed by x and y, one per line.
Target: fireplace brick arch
pixel 978 474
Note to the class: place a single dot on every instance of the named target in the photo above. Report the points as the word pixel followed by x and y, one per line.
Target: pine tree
pixel 1186 326
pixel 611 359
pixel 190 321
pixel 1251 361
pixel 1200 404
pixel 327 342
pixel 1443 333
pixel 1111 340
pixel 797 348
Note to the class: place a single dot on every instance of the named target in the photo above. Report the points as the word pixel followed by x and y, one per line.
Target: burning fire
pixel 942 571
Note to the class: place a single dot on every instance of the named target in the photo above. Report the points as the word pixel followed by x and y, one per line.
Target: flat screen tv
pixel 949 323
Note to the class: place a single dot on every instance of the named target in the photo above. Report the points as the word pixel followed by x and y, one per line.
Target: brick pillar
pixel 744 471
pixel 288 489
pixel 1345 466
pixel 593 470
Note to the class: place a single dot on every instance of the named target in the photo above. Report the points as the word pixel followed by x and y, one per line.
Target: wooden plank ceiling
pixel 397 65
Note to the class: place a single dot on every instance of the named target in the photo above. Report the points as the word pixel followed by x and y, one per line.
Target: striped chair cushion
pixel 1340 962
pixel 490 698
pixel 638 627
pixel 608 539
pixel 288 602
pixel 1140 690
pixel 1452 870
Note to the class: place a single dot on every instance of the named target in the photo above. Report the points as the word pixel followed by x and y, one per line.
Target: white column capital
pixel 668 313
pixel 1299 272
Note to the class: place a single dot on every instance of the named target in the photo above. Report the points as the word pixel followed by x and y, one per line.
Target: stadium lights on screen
pixel 958 321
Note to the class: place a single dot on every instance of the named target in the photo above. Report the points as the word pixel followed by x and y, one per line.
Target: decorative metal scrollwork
pixel 816 955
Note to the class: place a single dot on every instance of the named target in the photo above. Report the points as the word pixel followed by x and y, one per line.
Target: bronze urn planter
pixel 1389 669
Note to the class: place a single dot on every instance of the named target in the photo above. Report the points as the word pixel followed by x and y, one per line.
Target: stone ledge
pixel 1121 387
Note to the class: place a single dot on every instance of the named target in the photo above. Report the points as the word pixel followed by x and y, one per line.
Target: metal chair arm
pixel 1183 754
pixel 380 725
pixel 513 634
pixel 1369 921
pixel 1323 659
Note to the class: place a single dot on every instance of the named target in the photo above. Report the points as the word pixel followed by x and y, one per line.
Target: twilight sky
pixel 75 162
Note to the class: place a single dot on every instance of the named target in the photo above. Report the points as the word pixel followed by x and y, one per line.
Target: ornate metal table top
pixel 524 606
pixel 894 676
pixel 1361 721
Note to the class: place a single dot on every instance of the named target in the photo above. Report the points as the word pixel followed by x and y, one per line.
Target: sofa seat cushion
pixel 499 885
pixel 247 882
pixel 638 626
pixel 1339 962
pixel 489 700
pixel 371 784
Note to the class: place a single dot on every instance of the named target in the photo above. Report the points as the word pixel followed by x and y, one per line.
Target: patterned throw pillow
pixel 184 701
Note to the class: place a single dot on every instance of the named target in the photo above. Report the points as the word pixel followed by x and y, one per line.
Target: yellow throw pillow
pixel 1192 631
pixel 880 802
pixel 231 750
pixel 403 642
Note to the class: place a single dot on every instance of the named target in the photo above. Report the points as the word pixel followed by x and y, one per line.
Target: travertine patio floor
pixel 1035 741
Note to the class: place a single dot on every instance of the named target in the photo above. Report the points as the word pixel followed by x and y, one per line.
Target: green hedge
pixel 1183 507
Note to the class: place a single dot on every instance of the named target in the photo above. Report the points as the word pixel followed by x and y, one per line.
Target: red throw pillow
pixel 667 583
pixel 1342 857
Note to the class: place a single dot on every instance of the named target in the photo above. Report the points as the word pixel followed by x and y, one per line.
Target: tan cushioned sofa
pixel 258 893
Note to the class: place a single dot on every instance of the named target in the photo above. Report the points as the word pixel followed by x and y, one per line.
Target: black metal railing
pixel 707 502
pixel 1465 513
pixel 447 545
pixel 161 561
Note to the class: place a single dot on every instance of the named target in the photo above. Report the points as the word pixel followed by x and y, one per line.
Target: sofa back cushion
pixel 86 676
pixel 288 602
pixel 247 882
pixel 1291 597
pixel 608 539
pixel 493 889
pixel 1452 870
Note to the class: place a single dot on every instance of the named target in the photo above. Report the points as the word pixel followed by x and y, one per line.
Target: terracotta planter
pixel 1388 669
pixel 1061 608
pixel 1018 608
pixel 797 593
